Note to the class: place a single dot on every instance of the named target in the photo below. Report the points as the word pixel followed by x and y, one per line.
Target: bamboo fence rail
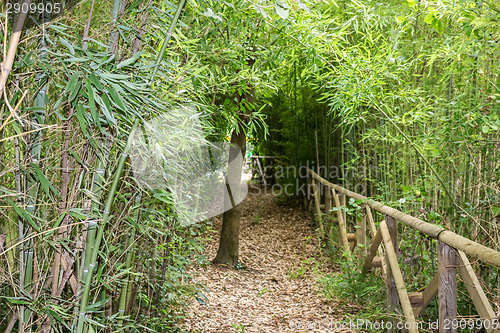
pixel 382 253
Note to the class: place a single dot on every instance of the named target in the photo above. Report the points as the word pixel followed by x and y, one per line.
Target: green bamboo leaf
pixel 78 213
pixel 95 81
pixel 75 156
pixel 92 105
pixel 72 82
pixel 97 305
pixel 282 9
pixel 105 62
pixel 116 98
pixel 130 61
pixel 106 108
pixel 429 17
pixel 76 59
pixel 81 119
pixel 24 214
pixel 59 220
pixel 46 185
pixel 74 92
pixel 68 45
pixel 111 76
pixel 261 10
pixel 57 316
pixel 18 300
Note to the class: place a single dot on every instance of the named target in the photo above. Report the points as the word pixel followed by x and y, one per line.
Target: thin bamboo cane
pixel 128 261
pixel 180 6
pixel 100 233
pixel 6 66
pixel 113 38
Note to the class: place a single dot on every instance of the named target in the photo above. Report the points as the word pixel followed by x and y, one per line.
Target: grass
pixel 366 292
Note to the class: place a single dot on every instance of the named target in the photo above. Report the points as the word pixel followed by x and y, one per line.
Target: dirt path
pixel 277 292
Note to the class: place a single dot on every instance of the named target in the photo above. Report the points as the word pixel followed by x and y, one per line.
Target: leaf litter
pixel 277 289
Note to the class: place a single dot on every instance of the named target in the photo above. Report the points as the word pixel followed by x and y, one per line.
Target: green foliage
pixel 348 285
pixel 403 98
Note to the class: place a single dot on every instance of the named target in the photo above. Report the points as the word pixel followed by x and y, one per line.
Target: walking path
pixel 277 292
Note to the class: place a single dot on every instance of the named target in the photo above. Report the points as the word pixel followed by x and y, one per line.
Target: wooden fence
pixel 382 252
pixel 258 168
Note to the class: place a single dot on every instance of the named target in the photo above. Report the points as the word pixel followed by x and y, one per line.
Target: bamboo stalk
pixel 6 66
pixel 128 263
pixel 100 233
pixel 113 38
pixel 180 6
pixel 65 177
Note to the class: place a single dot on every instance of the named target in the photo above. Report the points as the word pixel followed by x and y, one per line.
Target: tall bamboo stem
pixel 100 233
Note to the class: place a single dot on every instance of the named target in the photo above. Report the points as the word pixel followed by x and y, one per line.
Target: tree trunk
pixel 229 236
pixel 227 253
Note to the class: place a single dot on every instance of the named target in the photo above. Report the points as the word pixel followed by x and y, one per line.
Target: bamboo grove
pixel 403 99
pixel 401 96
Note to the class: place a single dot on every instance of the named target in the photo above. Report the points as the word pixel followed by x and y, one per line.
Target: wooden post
pixel 344 243
pixel 397 277
pixel 476 292
pixel 447 287
pixel 316 197
pixel 361 234
pixel 373 251
pixel 373 232
pixel 306 194
pixel 392 292
pixel 342 198
pixel 262 175
pixel 328 202
pixel 329 216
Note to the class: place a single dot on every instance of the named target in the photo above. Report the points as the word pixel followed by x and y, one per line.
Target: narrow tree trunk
pixel 229 237
pixel 227 253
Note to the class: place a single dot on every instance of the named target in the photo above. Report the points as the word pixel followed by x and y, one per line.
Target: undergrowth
pixel 349 286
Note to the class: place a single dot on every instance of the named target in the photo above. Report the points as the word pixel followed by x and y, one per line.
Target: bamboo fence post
pixel 316 189
pixel 392 291
pixel 371 223
pixel 329 213
pixel 476 292
pixel 397 277
pixel 342 226
pixel 374 248
pixel 361 234
pixel 316 197
pixel 328 201
pixel 342 198
pixel 373 232
pixel 447 288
